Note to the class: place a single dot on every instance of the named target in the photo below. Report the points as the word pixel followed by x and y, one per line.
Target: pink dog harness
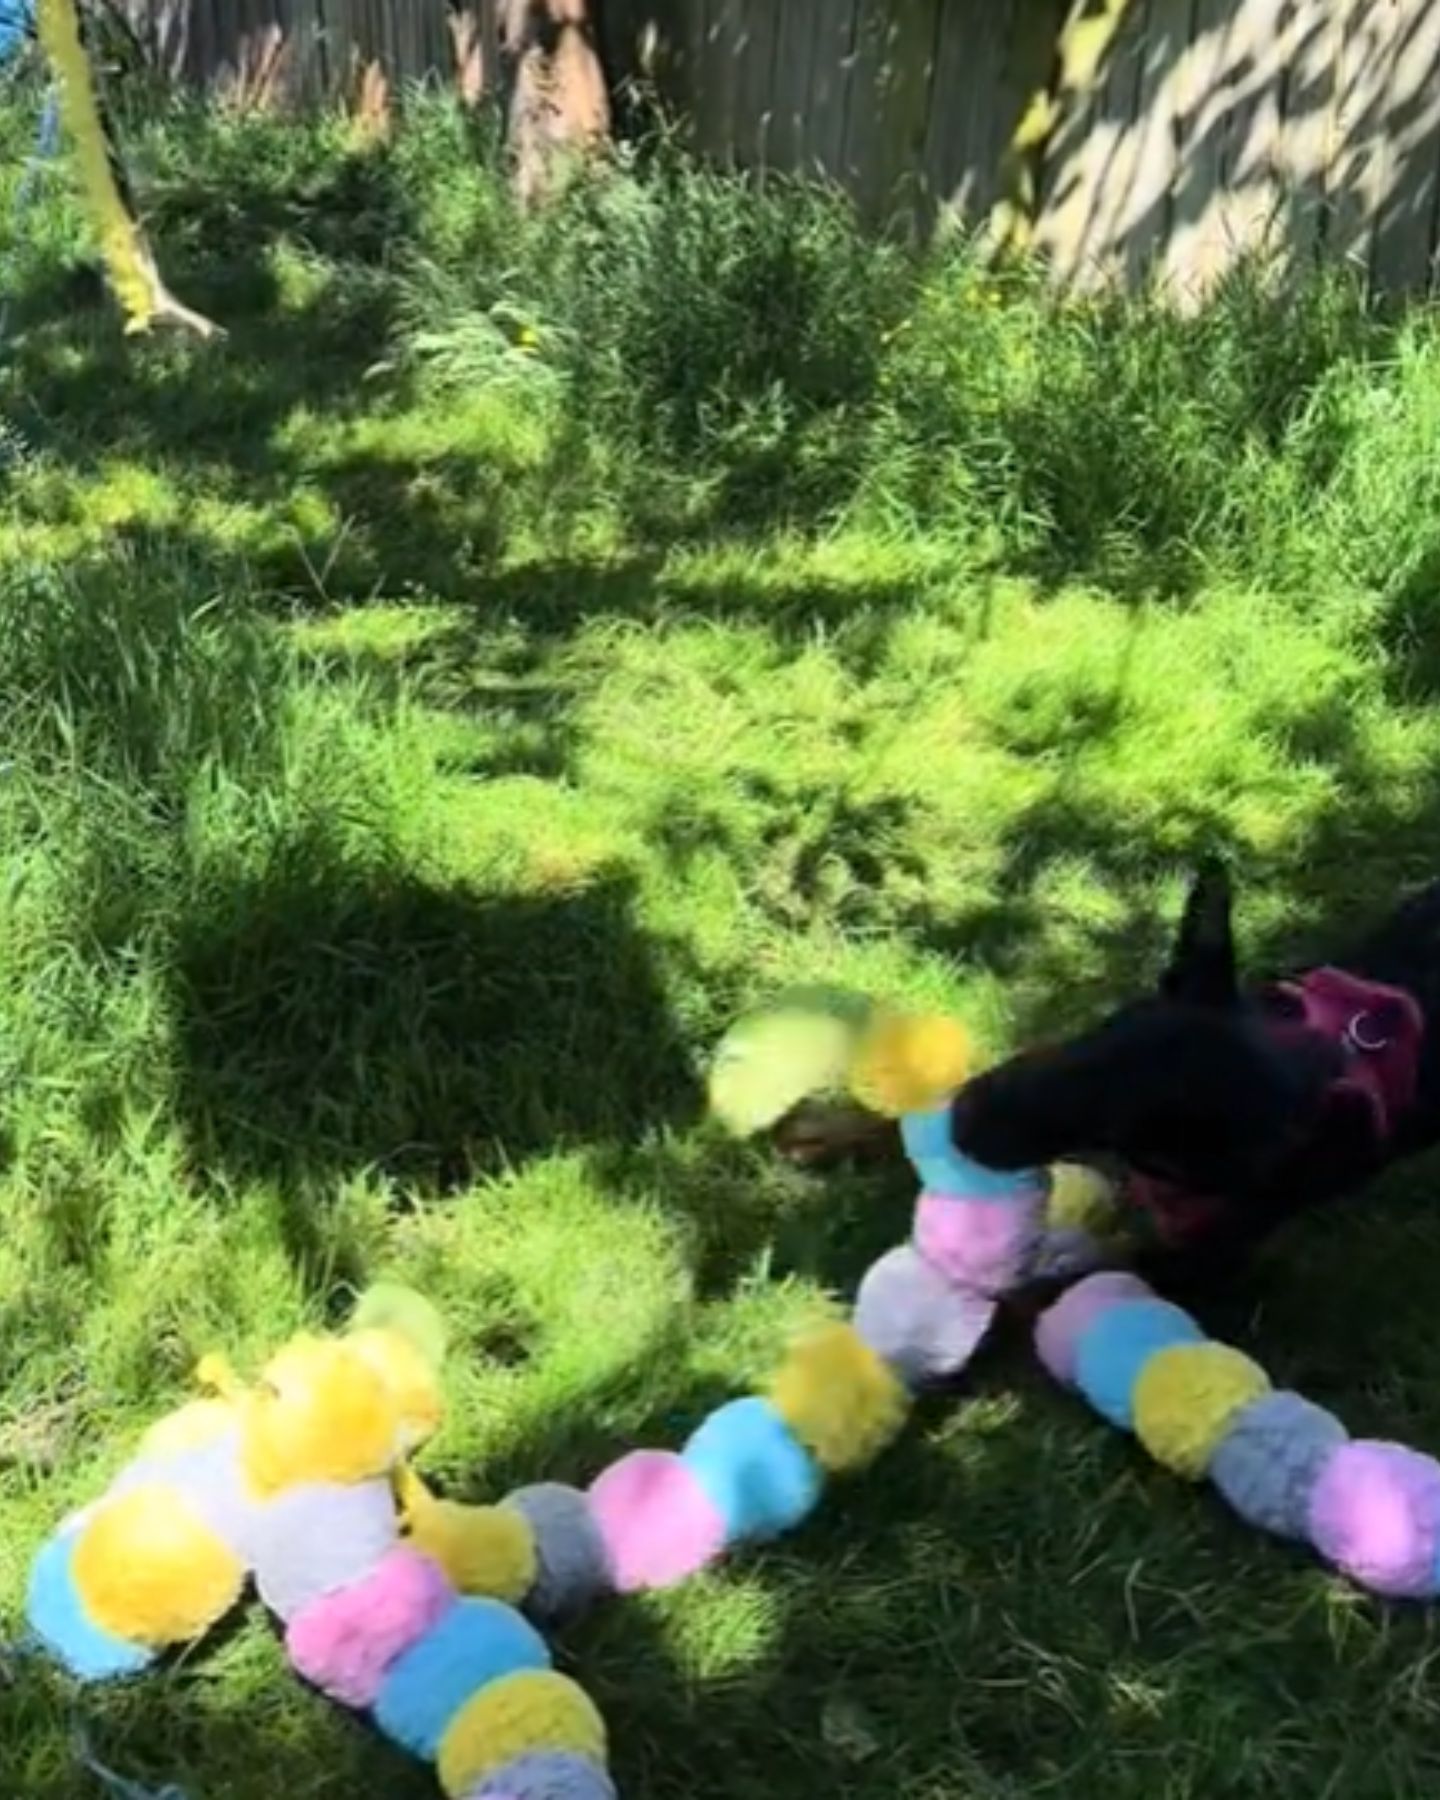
pixel 1378 1030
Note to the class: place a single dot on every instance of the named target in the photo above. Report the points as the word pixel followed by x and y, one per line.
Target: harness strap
pixel 1379 1031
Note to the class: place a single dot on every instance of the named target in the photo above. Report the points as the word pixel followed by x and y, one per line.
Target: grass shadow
pixel 333 1023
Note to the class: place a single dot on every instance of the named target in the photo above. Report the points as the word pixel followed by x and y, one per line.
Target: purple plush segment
pixel 1062 1325
pixel 987 1245
pixel 573 1567
pixel 924 1326
pixel 1375 1513
pixel 346 1642
pixel 1117 1344
pixel 550 1776
pixel 1269 1461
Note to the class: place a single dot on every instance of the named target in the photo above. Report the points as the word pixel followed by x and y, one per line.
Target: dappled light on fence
pixel 1223 128
pixel 1211 129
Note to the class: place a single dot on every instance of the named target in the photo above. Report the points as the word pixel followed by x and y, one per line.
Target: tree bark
pixel 559 112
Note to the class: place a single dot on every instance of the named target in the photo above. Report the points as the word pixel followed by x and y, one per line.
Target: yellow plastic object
pixel 390 1306
pixel 910 1063
pixel 149 1570
pixel 58 23
pixel 323 1412
pixel 842 1401
pixel 767 1064
pixel 1185 1399
pixel 482 1549
pixel 519 1715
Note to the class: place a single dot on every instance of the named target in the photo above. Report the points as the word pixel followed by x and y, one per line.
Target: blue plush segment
pixel 944 1169
pixel 478 1641
pixel 1270 1459
pixel 753 1471
pixel 1116 1346
pixel 57 1617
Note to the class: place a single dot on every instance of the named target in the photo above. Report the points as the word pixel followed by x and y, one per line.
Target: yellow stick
pixel 136 282
pixel 59 26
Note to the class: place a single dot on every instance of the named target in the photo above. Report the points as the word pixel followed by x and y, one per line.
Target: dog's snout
pixel 982 1128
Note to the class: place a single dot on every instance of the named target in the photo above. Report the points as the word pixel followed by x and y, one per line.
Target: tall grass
pixel 718 350
pixel 673 350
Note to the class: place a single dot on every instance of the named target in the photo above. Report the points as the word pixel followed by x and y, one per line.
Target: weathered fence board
pixel 1405 209
pixel 1212 128
pixel 1197 244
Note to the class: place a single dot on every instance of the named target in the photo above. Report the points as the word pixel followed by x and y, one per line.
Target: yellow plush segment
pixel 192 1427
pixel 519 1715
pixel 908 1063
pixel 216 1373
pixel 411 1376
pixel 482 1549
pixel 1083 1199
pixel 766 1066
pixel 842 1401
pixel 322 1413
pixel 1185 1398
pixel 147 1569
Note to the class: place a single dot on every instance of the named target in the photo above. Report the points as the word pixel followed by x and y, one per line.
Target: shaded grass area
pixel 430 715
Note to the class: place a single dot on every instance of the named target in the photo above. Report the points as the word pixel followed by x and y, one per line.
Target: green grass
pixel 429 715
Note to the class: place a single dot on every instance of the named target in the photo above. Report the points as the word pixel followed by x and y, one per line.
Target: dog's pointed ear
pixel 1202 965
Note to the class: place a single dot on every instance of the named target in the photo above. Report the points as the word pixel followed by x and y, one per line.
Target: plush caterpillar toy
pixel 1207 1411
pixel 758 1465
pixel 298 1483
pixel 1202 1409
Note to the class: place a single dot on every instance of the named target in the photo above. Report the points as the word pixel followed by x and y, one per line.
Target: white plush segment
pixel 314 1539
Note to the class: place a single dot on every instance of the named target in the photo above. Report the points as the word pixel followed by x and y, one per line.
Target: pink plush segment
pixel 981 1244
pixel 1375 1513
pixel 344 1642
pixel 1061 1327
pixel 657 1523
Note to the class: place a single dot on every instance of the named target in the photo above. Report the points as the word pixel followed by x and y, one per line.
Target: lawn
pixel 430 714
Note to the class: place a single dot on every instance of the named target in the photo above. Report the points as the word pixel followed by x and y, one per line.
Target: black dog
pixel 1227 1108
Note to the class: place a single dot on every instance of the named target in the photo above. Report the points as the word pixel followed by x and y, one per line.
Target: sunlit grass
pixel 430 715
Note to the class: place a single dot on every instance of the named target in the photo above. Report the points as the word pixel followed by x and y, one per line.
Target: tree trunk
pixel 559 102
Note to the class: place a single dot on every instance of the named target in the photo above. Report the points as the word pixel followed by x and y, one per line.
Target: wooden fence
pixel 1211 128
pixel 294 50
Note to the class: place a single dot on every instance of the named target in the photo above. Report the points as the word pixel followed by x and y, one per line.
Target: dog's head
pixel 1188 1085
